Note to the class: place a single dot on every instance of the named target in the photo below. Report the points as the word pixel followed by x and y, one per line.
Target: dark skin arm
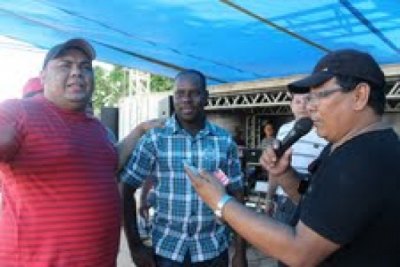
pixel 126 145
pixel 295 246
pixel 239 258
pixel 140 254
pixel 144 207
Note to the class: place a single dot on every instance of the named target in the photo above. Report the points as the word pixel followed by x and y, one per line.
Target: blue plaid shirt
pixel 182 220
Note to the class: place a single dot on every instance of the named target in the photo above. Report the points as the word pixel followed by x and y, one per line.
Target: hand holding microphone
pixel 270 157
pixel 300 128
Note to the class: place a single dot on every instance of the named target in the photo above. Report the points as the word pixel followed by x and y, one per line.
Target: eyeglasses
pixel 317 96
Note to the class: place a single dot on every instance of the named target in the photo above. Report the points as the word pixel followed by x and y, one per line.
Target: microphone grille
pixel 303 125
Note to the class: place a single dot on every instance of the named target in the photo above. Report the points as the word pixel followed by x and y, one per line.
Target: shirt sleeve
pixel 141 163
pixel 234 170
pixel 11 129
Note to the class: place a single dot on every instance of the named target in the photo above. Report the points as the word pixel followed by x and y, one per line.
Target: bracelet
pixel 220 205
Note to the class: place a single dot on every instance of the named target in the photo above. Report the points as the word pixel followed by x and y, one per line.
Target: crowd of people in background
pixel 331 199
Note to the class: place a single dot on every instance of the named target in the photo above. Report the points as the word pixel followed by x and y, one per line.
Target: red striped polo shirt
pixel 61 205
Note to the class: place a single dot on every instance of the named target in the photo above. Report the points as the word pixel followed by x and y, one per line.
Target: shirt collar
pixel 174 127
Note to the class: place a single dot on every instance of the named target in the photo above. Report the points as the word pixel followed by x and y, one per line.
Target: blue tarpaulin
pixel 229 41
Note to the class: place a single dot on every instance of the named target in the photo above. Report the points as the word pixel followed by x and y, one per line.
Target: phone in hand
pixel 221 176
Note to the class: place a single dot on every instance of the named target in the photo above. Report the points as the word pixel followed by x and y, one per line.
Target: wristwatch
pixel 220 205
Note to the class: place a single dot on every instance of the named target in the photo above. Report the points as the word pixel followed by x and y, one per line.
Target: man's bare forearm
pixel 129 217
pixel 126 146
pixel 239 257
pixel 273 238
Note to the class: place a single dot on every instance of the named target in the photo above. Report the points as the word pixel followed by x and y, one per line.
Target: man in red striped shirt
pixel 61 203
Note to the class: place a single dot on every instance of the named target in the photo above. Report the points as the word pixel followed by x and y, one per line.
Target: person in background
pixel 185 232
pixel 269 134
pixel 239 137
pixel 304 151
pixel 32 87
pixel 61 203
pixel 241 144
pixel 258 173
pixel 349 213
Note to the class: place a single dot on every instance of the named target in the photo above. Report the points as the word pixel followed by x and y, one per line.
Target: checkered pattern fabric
pixel 182 221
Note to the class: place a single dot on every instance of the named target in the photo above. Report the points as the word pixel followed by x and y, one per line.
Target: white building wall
pixel 138 108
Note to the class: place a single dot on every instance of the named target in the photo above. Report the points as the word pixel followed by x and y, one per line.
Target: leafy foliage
pixel 160 83
pixel 110 86
pixel 113 85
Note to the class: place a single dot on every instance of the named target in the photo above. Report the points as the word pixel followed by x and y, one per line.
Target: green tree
pixel 110 86
pixel 160 83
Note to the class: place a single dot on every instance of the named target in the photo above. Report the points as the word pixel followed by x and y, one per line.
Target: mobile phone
pixel 221 176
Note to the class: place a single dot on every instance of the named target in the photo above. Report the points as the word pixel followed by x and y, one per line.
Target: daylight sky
pixel 18 63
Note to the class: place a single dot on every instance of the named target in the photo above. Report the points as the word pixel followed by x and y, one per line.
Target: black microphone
pixel 300 128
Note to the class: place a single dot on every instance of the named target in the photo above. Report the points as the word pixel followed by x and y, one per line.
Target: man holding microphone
pixel 347 216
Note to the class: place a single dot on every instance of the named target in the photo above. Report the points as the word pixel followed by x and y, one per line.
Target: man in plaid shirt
pixel 185 230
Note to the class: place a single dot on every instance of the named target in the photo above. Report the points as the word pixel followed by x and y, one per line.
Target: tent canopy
pixel 229 41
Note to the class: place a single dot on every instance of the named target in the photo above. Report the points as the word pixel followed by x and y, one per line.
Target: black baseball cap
pixel 347 62
pixel 77 43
